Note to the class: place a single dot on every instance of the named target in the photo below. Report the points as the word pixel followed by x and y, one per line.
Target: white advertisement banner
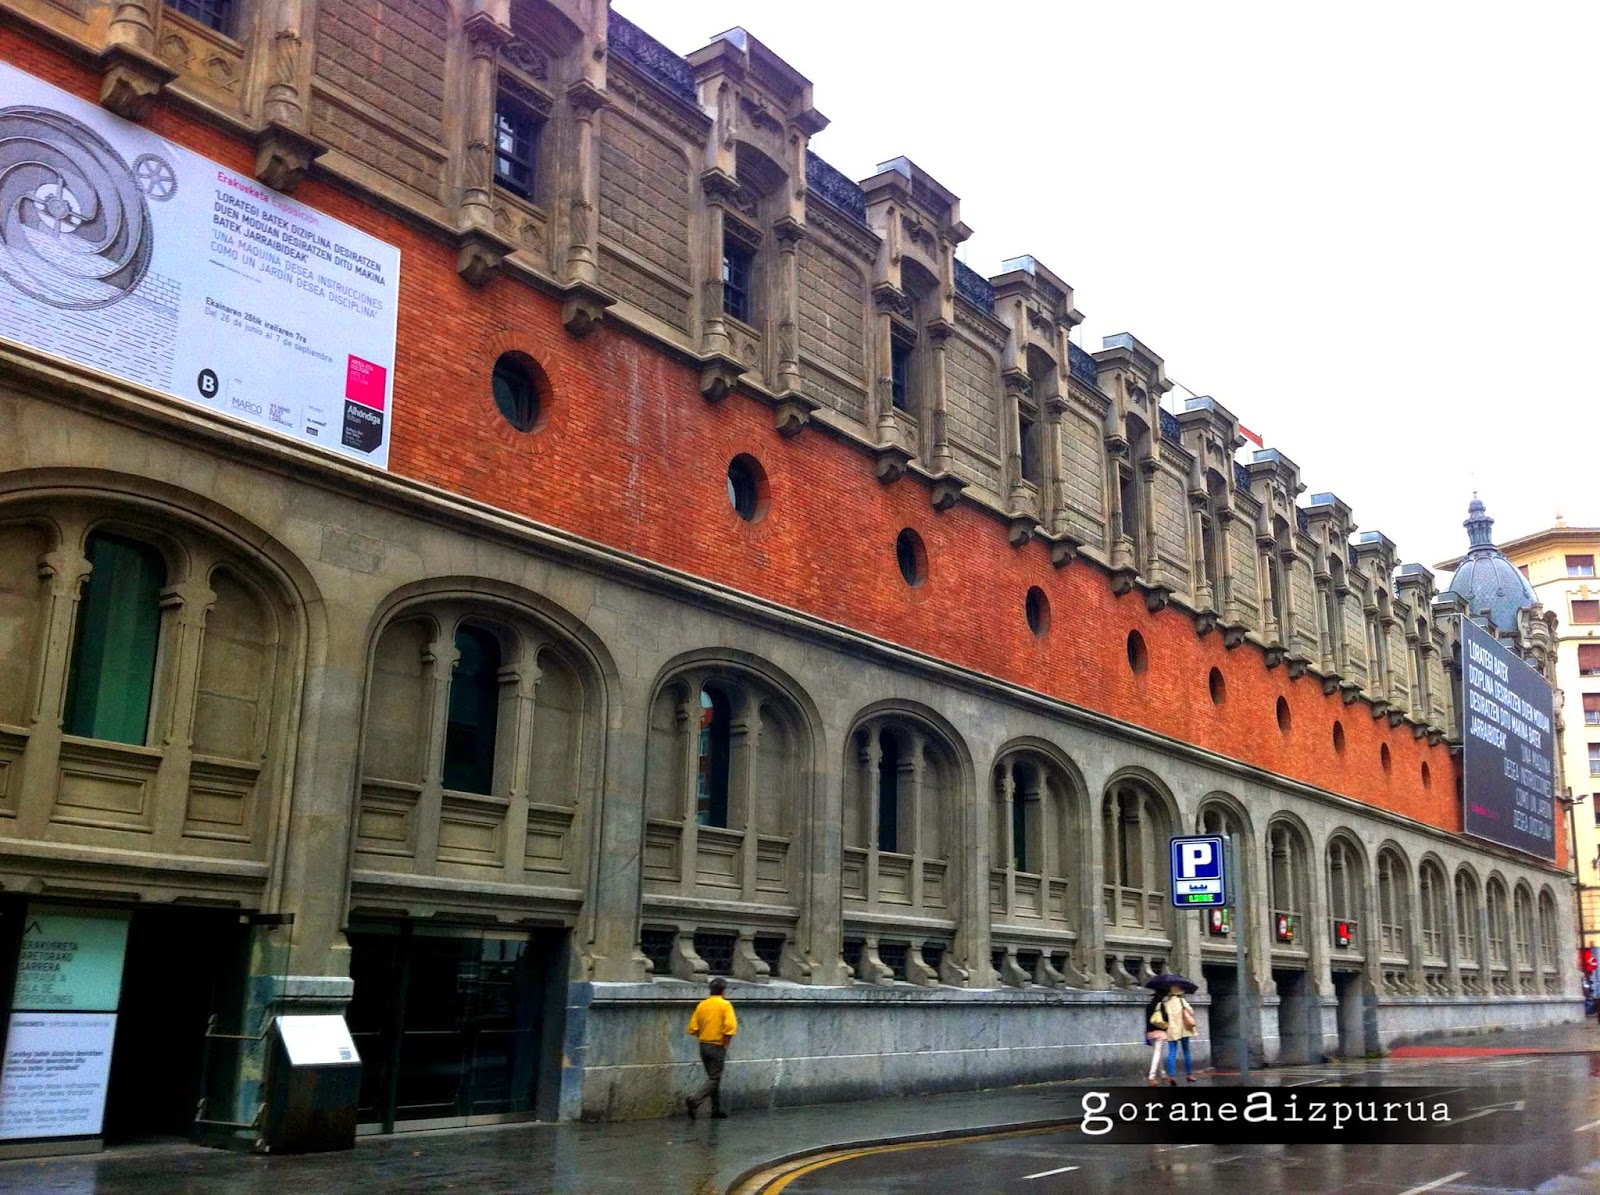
pixel 124 252
pixel 53 1081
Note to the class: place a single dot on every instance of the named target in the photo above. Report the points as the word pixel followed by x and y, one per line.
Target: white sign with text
pixel 53 1082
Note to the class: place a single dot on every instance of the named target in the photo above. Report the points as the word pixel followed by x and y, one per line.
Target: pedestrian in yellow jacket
pixel 713 1025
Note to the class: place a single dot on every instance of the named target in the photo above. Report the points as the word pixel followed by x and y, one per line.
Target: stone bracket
pixel 1064 547
pixel 1011 972
pixel 1331 685
pixel 1419 730
pixel 1435 736
pixel 479 252
pixel 684 962
pixel 1275 654
pixel 1205 621
pixel 791 412
pixel 583 306
pixel 1021 526
pixel 284 156
pixel 747 964
pixel 1233 635
pixel 1350 690
pixel 1156 597
pixel 873 969
pixel 891 461
pixel 917 969
pixel 793 965
pixel 1396 716
pixel 1123 578
pixel 946 490
pixel 1047 976
pixel 131 79
pixel 951 973
pixel 1297 666
pixel 718 374
pixel 1379 707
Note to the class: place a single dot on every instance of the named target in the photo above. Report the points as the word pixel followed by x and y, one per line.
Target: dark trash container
pixel 313 1086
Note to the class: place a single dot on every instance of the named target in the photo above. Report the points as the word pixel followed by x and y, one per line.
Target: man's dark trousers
pixel 712 1057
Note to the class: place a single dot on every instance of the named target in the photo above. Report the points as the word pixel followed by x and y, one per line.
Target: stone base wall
pixel 629 1057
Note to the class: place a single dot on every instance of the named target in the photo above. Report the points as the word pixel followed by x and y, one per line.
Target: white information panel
pixel 317 1041
pixel 56 1068
pixel 130 255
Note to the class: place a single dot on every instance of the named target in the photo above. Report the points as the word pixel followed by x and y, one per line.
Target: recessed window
pixel 1580 566
pixel 115 644
pixel 1591 709
pixel 472 718
pixel 1589 659
pixel 747 488
pixel 1585 611
pixel 1027 445
pixel 1383 756
pixel 737 260
pixel 1594 759
pixel 1338 736
pixel 1283 715
pixel 1217 686
pixel 1037 608
pixel 213 14
pixel 900 374
pixel 517 127
pixel 519 387
pixel 1427 776
pixel 1138 655
pixel 911 556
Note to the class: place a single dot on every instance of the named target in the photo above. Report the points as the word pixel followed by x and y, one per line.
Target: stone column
pixel 1272 630
pixel 183 620
pixel 611 914
pixel 689 715
pixel 871 760
pixel 883 390
pixel 1203 597
pixel 519 689
pixel 1054 409
pixel 1008 846
pixel 439 661
pixel 908 793
pixel 485 36
pixel 64 570
pixel 1452 940
pixel 132 73
pixel 715 338
pixel 1017 386
pixel 744 790
pixel 583 227
pixel 1091 949
pixel 1148 468
pixel 1226 605
pixel 788 232
pixel 284 148
pixel 819 818
pixel 938 454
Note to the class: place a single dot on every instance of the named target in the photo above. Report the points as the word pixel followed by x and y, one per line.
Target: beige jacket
pixel 1172 1009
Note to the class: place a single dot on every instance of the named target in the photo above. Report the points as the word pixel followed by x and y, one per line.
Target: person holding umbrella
pixel 1175 1015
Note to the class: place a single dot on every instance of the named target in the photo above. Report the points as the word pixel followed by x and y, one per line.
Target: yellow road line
pixel 776 1179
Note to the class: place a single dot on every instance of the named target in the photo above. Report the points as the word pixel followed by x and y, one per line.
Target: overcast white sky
pixel 1368 229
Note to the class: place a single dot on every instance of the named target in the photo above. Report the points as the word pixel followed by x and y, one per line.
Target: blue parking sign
pixel 1199 873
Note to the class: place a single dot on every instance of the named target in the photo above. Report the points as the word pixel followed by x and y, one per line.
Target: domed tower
pixel 1485 581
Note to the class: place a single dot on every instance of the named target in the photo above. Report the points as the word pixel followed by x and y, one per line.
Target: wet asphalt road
pixel 1552 1147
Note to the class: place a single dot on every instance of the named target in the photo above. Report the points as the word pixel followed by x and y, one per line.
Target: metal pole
pixel 1572 803
pixel 1236 873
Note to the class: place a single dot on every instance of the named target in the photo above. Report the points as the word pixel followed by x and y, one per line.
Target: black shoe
pixel 688 1106
pixel 718 1114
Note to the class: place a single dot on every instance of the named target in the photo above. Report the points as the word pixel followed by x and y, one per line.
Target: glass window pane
pixel 114 650
pixel 474 713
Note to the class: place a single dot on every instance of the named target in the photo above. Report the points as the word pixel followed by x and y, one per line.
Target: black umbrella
pixel 1162 982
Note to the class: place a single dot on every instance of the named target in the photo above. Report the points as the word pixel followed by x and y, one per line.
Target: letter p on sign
pixel 1196 857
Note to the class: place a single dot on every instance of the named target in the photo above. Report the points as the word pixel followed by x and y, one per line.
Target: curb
pixel 752 1173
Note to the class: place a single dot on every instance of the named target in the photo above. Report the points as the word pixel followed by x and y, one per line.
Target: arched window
pixel 1288 884
pixel 1499 923
pixel 474 712
pixel 1393 903
pixel 722 782
pixel 1431 889
pixel 1345 888
pixel 116 641
pixel 711 758
pixel 1134 828
pixel 1523 922
pixel 1034 841
pixel 1549 947
pixel 1468 947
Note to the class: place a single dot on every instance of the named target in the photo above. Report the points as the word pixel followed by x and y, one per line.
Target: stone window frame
pixel 1392 876
pixel 1434 939
pixel 1345 868
pixel 192 802
pixel 1223 815
pixel 1143 850
pixel 1288 854
pixel 1549 939
pixel 515 88
pixel 1038 789
pixel 1496 904
pixel 1471 948
pixel 530 643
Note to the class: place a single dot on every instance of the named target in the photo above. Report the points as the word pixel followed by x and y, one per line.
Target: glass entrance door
pixel 449 1023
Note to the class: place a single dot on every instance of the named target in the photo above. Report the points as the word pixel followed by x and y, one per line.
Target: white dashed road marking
pixel 1438 1182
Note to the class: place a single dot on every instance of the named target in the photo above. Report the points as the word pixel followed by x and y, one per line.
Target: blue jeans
pixel 1172 1058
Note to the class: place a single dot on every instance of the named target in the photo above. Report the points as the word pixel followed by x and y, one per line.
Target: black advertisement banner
pixel 1508 762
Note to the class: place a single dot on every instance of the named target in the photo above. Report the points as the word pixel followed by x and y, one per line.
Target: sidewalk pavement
pixel 702 1157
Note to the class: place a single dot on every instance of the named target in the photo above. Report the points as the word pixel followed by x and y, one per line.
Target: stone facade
pixel 932 846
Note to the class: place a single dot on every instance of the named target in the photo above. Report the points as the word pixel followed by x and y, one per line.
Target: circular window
pixel 747 488
pixel 519 387
pixel 1218 687
pixel 1383 755
pixel 1427 776
pixel 1138 656
pixel 1037 608
pixel 1283 714
pixel 911 556
pixel 1338 736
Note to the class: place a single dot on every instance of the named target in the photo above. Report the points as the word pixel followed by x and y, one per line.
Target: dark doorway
pixel 456 1025
pixel 1222 985
pixel 1352 1036
pixel 178 964
pixel 1294 1012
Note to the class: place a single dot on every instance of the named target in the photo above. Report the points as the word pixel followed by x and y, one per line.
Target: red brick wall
pixel 634 457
